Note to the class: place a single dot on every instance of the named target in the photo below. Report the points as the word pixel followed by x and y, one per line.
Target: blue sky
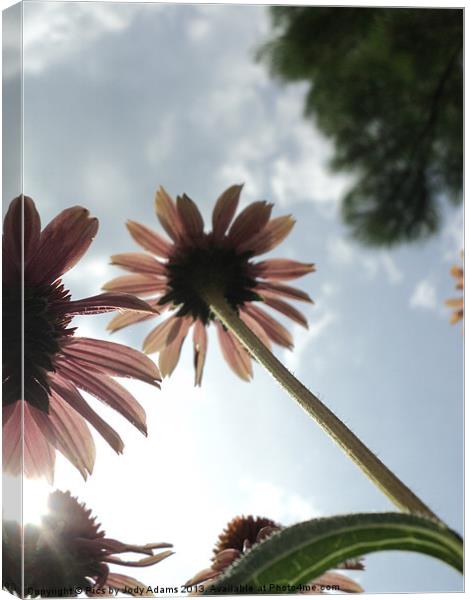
pixel 122 98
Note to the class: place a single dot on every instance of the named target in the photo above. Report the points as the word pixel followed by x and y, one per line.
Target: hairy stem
pixel 383 478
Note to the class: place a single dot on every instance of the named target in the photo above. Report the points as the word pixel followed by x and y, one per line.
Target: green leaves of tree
pixel 299 554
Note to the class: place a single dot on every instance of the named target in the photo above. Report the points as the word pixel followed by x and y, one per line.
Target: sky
pixel 122 98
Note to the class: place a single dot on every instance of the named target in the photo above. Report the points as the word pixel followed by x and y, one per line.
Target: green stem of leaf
pixel 374 468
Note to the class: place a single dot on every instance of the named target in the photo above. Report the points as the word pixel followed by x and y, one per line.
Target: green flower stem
pixel 383 478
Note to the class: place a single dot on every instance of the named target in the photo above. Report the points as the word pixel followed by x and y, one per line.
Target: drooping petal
pixel 109 391
pixel 272 289
pixel 190 216
pixel 255 327
pixel 269 237
pixel 275 331
pixel 200 350
pixel 108 302
pixel 39 456
pixel 128 317
pixel 286 309
pixel 236 357
pixel 148 239
pixel 63 242
pixel 124 583
pixel 202 576
pixel 141 285
pixel 69 393
pixel 12 232
pixel 12 438
pixel 167 214
pixel 138 262
pixel 252 219
pixel 169 356
pixel 224 210
pixel 157 338
pixel 282 268
pixel 112 359
pixel 67 431
pixel 142 562
pixel 32 228
pixel 332 580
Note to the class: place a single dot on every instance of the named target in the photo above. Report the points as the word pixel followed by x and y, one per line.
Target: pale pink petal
pixel 282 268
pixel 336 581
pixel 286 309
pixel 200 350
pixel 167 214
pixel 108 302
pixel 269 237
pixel 190 216
pixel 126 318
pixel 68 392
pixel 148 239
pixel 275 331
pixel 236 357
pixel 169 356
pixel 107 390
pixel 252 219
pixel 224 210
pixel 272 289
pixel 158 337
pixel 67 431
pixel 39 455
pixel 225 558
pixel 142 562
pixel 139 263
pixel 255 327
pixel 11 439
pixel 63 242
pixel 202 576
pixel 112 359
pixel 141 285
pixel 116 581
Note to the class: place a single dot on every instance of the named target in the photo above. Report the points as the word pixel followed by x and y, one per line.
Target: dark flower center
pixel 45 325
pixel 191 269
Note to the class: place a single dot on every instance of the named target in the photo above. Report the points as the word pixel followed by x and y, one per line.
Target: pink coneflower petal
pixel 139 263
pixel 200 351
pixel 128 318
pixel 170 355
pixel 148 239
pixel 113 359
pixel 39 456
pixel 224 210
pixel 236 357
pixel 12 438
pixel 122 583
pixel 70 394
pixel 158 337
pixel 253 218
pixel 268 288
pixel 67 431
pixel 269 237
pixel 282 268
pixel 275 331
pixel 202 576
pixel 108 302
pixel 167 214
pixel 142 562
pixel 140 285
pixel 286 309
pixel 72 231
pixel 108 391
pixel 255 327
pixel 190 216
pixel 337 581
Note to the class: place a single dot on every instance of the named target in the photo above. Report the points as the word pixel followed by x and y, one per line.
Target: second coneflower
pixel 211 277
pixel 44 363
pixel 240 535
pixel 178 273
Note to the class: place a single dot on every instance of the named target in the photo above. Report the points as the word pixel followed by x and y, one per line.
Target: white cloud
pixel 424 295
pixel 266 499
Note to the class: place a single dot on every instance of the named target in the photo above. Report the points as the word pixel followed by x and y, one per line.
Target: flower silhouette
pixel 69 554
pixel 242 533
pixel 43 362
pixel 174 272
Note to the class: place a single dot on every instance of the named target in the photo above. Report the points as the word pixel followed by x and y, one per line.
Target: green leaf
pixel 297 555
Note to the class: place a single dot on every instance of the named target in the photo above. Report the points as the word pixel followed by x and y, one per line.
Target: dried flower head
pixel 457 303
pixel 68 553
pixel 174 272
pixel 242 533
pixel 44 364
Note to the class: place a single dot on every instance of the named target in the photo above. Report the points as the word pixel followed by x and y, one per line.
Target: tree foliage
pixel 386 86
